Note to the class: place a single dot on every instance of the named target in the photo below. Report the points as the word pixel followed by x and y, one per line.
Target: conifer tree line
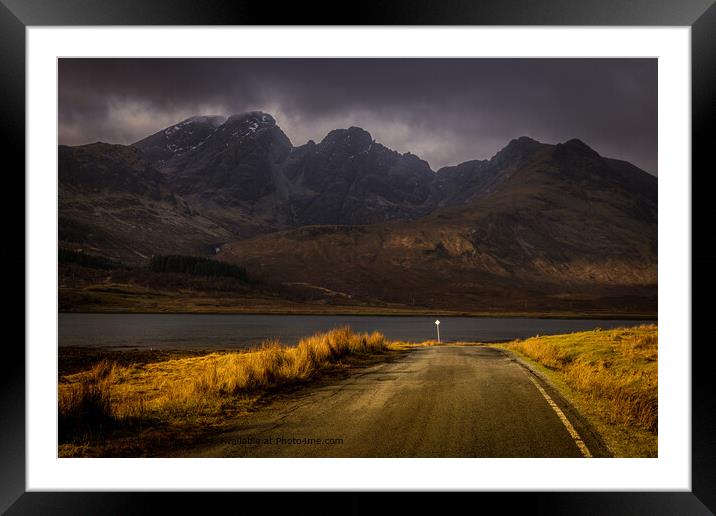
pixel 192 265
pixel 196 266
pixel 91 261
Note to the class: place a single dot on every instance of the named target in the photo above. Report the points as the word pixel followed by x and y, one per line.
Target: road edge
pixel 586 428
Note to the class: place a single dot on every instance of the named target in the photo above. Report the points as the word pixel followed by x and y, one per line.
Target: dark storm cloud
pixel 444 110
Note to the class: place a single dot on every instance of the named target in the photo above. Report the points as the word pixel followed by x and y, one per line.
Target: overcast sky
pixel 444 110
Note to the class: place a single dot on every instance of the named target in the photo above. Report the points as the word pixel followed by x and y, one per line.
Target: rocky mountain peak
pixel 252 118
pixel 193 121
pixel 517 149
pixel 212 120
pixel 179 138
pixel 578 146
pixel 353 139
pixel 244 125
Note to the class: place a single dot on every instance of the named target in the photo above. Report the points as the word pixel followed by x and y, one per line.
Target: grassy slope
pixel 139 290
pixel 609 376
pixel 129 298
pixel 113 409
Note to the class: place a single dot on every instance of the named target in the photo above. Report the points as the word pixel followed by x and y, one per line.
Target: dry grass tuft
pixel 205 386
pixel 85 407
pixel 273 365
pixel 616 369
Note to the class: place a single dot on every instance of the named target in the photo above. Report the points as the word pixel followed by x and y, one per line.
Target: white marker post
pixel 437 326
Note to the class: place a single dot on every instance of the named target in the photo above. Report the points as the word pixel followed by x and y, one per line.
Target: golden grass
pixel 85 407
pixel 189 389
pixel 613 376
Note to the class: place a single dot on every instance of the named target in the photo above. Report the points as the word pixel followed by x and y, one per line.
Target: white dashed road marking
pixel 575 435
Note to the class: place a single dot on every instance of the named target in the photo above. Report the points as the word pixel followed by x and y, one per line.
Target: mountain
pixel 113 202
pixel 179 138
pixel 536 226
pixel 231 175
pixel 348 178
pixel 246 174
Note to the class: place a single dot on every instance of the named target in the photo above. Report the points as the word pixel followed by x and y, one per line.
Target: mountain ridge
pixel 348 213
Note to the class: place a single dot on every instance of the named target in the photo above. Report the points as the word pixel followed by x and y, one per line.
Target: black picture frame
pixel 700 15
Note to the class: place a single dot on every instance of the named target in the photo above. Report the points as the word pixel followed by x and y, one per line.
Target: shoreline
pixel 389 313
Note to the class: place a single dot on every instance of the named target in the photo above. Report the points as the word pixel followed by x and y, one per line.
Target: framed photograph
pixel 427 248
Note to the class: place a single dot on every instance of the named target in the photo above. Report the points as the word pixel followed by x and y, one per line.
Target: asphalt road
pixel 446 401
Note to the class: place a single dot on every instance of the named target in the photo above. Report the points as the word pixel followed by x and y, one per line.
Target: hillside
pixel 536 227
pixel 113 203
pixel 537 224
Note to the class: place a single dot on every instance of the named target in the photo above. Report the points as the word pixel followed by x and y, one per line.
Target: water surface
pixel 202 331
